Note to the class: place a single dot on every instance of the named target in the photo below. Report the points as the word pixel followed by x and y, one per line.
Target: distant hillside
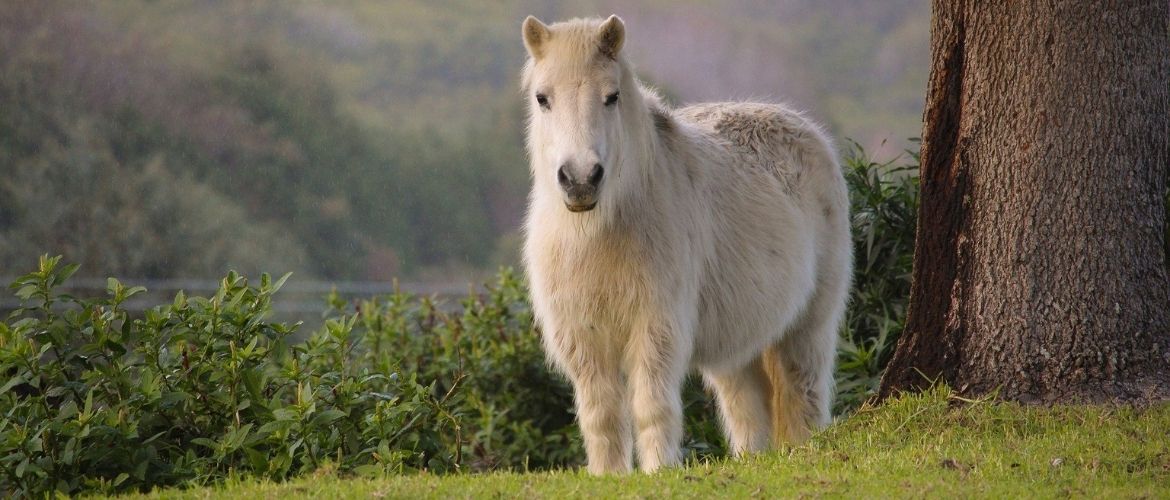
pixel 361 139
pixel 860 66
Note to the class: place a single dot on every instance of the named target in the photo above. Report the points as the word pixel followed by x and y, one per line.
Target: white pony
pixel 713 237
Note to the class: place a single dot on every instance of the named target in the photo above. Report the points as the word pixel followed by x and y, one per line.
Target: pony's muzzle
pixel 580 195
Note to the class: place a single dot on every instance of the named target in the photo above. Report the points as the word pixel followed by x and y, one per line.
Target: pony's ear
pixel 535 35
pixel 610 36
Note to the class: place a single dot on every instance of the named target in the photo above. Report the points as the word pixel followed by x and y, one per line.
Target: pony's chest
pixel 601 284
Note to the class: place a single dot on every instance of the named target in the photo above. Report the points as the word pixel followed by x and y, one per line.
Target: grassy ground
pixel 931 445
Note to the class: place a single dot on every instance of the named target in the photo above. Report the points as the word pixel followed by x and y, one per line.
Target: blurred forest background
pixel 358 140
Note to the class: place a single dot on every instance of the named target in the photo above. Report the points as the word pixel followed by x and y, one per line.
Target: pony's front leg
pixel 657 359
pixel 602 415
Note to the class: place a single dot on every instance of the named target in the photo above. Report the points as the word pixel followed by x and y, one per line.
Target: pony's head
pixel 581 96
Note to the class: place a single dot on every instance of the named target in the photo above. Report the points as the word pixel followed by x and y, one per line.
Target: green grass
pixel 930 445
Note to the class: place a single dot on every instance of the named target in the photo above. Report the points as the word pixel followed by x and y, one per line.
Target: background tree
pixel 1039 262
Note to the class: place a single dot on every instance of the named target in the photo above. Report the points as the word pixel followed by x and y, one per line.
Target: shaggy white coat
pixel 720 242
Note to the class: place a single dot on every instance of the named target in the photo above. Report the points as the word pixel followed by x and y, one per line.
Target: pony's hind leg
pixel 743 398
pixel 801 370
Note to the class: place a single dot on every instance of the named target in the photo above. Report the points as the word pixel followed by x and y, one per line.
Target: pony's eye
pixel 542 100
pixel 611 99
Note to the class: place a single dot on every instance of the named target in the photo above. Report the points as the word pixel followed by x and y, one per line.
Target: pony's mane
pixel 660 111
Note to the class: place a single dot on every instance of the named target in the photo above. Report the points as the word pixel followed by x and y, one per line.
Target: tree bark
pixel 1039 267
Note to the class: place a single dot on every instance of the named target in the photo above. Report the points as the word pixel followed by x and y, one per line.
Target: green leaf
pixel 88 408
pixel 306 395
pixel 66 272
pixel 46 263
pixel 172 397
pixel 253 382
pixel 113 286
pixel 235 438
pixel 26 292
pixel 280 282
pixel 67 411
pixel 257 459
pixel 327 417
pixel 134 291
pixel 207 443
pixel 284 414
pixel 152 438
pixel 140 470
pixel 12 382
pixel 273 426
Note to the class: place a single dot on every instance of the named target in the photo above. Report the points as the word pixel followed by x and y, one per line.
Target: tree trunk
pixel 1039 266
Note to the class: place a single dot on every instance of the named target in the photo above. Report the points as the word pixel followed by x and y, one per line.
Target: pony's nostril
pixel 595 176
pixel 562 177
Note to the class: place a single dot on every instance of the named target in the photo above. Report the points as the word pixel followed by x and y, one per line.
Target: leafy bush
pixel 515 413
pixel 195 390
pixel 884 198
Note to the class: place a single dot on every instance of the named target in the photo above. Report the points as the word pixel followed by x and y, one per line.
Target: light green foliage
pixel 929 445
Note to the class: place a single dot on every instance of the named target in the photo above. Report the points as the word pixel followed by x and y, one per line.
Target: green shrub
pixel 196 390
pixel 884 199
pixel 515 413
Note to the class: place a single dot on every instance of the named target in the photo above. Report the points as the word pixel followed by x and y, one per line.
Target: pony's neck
pixel 648 124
